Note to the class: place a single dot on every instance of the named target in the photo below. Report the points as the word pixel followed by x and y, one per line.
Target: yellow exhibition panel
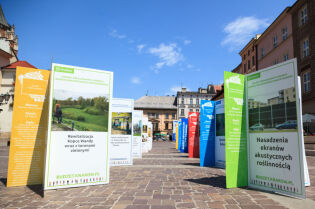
pixel 29 127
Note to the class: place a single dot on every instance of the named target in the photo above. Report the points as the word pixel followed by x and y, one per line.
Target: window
pixel 191 100
pixel 166 115
pixel 155 126
pixel 303 15
pixel 244 68
pixel 307 81
pixel 182 112
pixel 183 101
pixel 262 52
pixel 248 64
pixel 284 33
pixel 253 60
pixel 197 110
pixel 197 100
pixel 166 126
pixel 275 41
pixel 285 57
pixel 275 62
pixel 156 115
pixel 173 115
pixel 191 110
pixel 305 48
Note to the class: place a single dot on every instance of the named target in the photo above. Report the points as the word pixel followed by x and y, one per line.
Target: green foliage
pixel 90 122
pixel 100 103
pixel 93 111
pixel 72 116
pixel 81 118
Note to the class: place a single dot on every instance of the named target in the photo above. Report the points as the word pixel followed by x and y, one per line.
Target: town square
pixel 157 104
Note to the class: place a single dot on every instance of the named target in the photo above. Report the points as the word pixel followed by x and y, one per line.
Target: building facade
pixel 160 110
pixel 7 85
pixel 275 45
pixel 249 57
pixel 8 42
pixel 303 25
pixel 189 101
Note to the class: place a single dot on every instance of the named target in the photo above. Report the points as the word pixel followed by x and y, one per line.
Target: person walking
pixel 58 113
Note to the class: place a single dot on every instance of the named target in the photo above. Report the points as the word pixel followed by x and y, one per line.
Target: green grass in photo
pixel 84 121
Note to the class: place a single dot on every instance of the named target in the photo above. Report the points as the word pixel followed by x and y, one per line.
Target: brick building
pixel 275 45
pixel 249 57
pixel 303 26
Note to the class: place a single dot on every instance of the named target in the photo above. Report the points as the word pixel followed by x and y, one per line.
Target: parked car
pixel 289 124
pixel 257 127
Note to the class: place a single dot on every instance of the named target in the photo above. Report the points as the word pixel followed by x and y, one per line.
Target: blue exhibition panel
pixel 184 138
pixel 207 133
pixel 179 134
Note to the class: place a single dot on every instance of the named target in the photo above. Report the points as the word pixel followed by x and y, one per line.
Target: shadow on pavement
pixel 38 189
pixel 217 181
pixel 182 156
pixel 4 181
pixel 192 164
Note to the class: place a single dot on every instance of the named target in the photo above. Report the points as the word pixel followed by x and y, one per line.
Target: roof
pixel 219 95
pixel 20 64
pixel 217 88
pixel 3 21
pixel 249 43
pixel 156 102
pixel 211 90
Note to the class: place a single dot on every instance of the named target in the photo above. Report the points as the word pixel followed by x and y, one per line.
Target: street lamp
pixel 7 97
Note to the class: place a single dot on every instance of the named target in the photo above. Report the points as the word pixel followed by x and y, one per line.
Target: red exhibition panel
pixel 193 134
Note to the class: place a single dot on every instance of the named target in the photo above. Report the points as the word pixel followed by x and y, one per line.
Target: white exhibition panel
pixel 77 153
pixel 121 138
pixel 137 134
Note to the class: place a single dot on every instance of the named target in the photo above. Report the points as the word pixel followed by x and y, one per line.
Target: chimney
pixel 183 89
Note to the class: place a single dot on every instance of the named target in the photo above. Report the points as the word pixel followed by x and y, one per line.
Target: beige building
pixel 160 110
pixel 189 101
pixel 7 84
pixel 8 64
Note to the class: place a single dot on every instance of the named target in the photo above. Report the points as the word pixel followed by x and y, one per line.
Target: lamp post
pixel 1 98
pixel 7 97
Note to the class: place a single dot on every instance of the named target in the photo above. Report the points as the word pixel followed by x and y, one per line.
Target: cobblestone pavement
pixel 162 179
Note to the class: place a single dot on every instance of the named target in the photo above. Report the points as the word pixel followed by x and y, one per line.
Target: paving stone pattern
pixel 162 179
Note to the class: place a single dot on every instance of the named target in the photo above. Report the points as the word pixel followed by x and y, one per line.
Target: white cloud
pixel 241 30
pixel 168 55
pixel 189 66
pixel 114 33
pixel 135 80
pixel 187 42
pixel 140 47
pixel 174 89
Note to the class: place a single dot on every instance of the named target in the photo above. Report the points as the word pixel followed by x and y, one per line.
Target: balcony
pixel 193 105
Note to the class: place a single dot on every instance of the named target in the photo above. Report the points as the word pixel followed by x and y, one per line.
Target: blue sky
pixel 150 45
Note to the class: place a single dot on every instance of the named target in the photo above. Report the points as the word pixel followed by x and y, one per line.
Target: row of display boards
pixel 255 132
pixel 67 130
